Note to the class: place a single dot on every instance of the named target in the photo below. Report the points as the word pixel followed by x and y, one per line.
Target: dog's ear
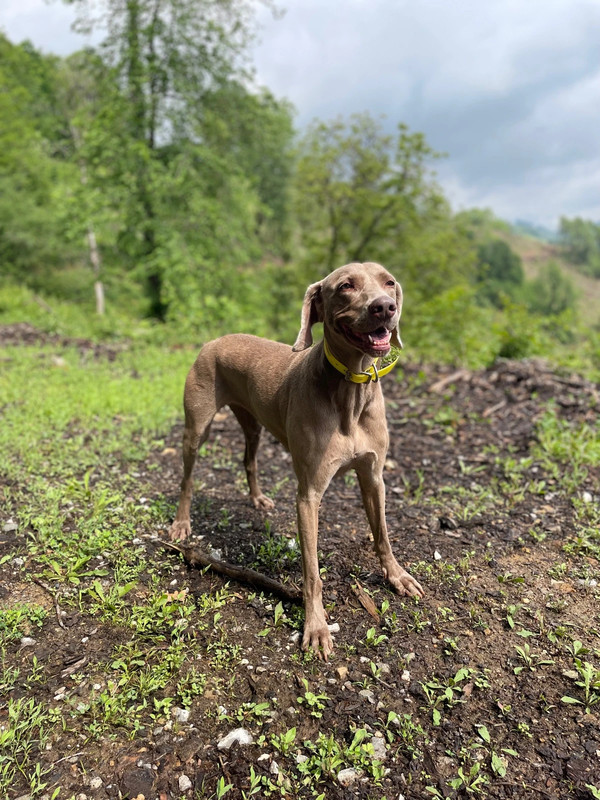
pixel 312 311
pixel 396 340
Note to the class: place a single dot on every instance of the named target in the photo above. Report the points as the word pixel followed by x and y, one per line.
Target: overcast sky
pixel 508 89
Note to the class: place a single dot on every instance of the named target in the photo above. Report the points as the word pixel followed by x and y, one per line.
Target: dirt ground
pixel 440 682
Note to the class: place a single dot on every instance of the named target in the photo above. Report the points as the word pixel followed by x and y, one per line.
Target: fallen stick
pixel 366 602
pixel 195 557
pixel 54 597
pixel 459 375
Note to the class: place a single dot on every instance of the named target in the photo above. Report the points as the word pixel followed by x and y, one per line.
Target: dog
pixel 323 403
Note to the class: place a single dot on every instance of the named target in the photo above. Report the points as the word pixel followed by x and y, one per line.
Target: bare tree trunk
pixel 95 261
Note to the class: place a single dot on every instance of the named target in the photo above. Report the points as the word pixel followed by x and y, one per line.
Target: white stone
pixel 95 783
pixel 405 676
pixel 239 735
pixel 346 777
pixel 586 497
pixel 180 714
pixel 274 768
pixel 9 526
pixel 184 783
pixel 379 748
pixel 27 641
pixel 334 627
pixel 367 694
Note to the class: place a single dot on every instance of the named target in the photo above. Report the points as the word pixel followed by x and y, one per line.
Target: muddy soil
pixel 482 529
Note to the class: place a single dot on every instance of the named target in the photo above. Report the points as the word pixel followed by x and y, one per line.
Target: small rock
pixel 383 668
pixel 95 783
pixel 342 672
pixel 334 627
pixel 295 637
pixel 301 758
pixel 586 497
pixel 367 694
pixel 379 748
pixel 405 676
pixel 27 641
pixel 390 464
pixel 180 714
pixel 274 768
pixel 18 562
pixel 437 556
pixel 239 735
pixel 9 526
pixel 184 783
pixel 346 777
pixel 263 757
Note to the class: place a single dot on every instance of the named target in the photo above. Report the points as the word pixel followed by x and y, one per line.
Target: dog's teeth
pixel 371 340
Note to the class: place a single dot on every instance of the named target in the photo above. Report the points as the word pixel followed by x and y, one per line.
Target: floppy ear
pixel 312 311
pixel 396 340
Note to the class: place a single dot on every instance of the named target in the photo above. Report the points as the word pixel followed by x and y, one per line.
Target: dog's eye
pixel 390 283
pixel 345 286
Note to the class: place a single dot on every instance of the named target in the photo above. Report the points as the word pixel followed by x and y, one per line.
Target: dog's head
pixel 359 306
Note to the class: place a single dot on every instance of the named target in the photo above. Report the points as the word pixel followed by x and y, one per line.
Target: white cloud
pixel 509 89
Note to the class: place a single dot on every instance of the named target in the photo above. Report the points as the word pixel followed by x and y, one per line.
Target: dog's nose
pixel 383 308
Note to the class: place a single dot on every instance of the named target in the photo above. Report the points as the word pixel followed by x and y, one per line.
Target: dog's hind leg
pixel 252 430
pixel 198 419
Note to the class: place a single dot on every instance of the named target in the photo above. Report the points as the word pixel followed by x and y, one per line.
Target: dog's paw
pixel 180 530
pixel 403 583
pixel 319 639
pixel 262 502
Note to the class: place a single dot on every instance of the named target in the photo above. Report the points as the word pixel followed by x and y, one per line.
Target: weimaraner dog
pixel 323 403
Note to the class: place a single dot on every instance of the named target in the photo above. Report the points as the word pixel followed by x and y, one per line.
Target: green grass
pixel 63 414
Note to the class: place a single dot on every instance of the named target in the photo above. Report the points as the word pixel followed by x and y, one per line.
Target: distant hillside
pixel 526 228
pixel 535 253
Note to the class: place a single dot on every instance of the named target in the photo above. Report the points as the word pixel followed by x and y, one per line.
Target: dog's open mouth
pixel 375 343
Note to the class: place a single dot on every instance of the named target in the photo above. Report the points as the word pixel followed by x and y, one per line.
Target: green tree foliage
pixel 178 155
pixel 500 274
pixel 552 292
pixel 581 241
pixel 31 138
pixel 364 195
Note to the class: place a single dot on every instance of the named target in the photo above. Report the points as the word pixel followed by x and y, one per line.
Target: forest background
pixel 150 190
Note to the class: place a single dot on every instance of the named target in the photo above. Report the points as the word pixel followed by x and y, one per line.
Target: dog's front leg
pixel 372 489
pixel 316 632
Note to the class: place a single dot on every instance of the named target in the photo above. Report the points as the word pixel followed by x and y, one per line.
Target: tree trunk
pixel 95 262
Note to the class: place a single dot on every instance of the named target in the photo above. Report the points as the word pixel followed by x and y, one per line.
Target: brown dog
pixel 323 403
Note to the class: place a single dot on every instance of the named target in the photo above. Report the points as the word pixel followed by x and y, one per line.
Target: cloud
pixel 510 90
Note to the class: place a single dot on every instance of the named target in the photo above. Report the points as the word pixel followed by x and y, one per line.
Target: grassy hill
pixel 535 253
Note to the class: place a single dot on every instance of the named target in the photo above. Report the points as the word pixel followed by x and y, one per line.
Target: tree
pixel 500 272
pixel 362 194
pixel 552 292
pixel 31 137
pixel 166 55
pixel 581 240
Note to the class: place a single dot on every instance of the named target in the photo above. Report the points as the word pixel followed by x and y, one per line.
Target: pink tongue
pixel 378 340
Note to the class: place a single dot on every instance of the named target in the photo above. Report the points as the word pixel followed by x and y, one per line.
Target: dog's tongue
pixel 380 339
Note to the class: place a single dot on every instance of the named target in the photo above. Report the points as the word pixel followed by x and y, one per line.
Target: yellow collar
pixel 370 374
